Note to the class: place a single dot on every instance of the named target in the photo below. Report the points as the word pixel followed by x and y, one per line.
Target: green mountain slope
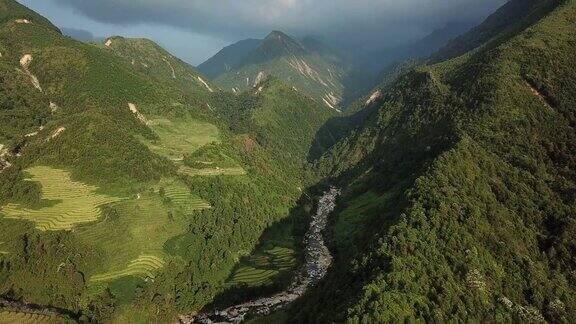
pixel 228 58
pixel 152 60
pixel 15 13
pixel 126 191
pixel 460 188
pixel 511 18
pixel 283 57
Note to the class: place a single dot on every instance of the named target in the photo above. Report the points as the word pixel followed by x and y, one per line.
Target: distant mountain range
pixel 334 77
pixel 308 66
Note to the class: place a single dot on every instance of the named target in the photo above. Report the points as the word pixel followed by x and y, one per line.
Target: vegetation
pixel 8 317
pixel 307 69
pixel 141 188
pixel 138 191
pixel 64 203
pixel 462 189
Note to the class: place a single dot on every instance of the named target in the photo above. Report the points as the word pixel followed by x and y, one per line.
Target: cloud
pixel 234 19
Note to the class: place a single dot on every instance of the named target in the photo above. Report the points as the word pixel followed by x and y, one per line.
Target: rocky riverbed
pixel 317 261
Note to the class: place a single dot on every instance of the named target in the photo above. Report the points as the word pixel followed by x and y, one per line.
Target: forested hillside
pixel 127 191
pixel 460 188
pixel 135 189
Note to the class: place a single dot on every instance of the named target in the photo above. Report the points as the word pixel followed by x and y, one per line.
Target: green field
pixel 208 172
pixel 263 268
pixel 8 317
pixel 181 137
pixel 184 137
pixel 124 236
pixel 144 266
pixel 179 195
pixel 70 202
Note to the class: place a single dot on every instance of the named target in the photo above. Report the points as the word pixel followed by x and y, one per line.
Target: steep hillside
pixel 102 146
pixel 15 13
pixel 228 58
pixel 460 190
pixel 511 18
pixel 285 58
pixel 152 60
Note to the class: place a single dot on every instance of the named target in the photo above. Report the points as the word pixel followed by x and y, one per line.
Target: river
pixel 317 261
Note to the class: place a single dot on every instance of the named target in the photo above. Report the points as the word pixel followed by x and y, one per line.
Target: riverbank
pixel 317 261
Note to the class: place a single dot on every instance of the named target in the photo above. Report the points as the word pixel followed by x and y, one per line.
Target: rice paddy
pixel 210 172
pixel 263 269
pixel 132 237
pixel 9 317
pixel 144 267
pixel 181 137
pixel 178 138
pixel 179 195
pixel 71 202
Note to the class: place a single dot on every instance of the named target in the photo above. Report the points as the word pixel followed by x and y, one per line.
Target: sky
pixel 194 30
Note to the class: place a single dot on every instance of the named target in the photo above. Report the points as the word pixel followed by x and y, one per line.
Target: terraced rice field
pixel 180 196
pixel 132 242
pixel 181 137
pixel 235 171
pixel 264 268
pixel 8 317
pixel 75 202
pixel 178 138
pixel 143 267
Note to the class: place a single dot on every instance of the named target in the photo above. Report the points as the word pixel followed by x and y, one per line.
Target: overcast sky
pixel 196 29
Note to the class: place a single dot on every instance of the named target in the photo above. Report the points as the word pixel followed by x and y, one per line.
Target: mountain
pixel 459 187
pixel 505 22
pixel 133 189
pixel 228 58
pixel 279 55
pixel 152 60
pixel 372 68
pixel 79 34
pixel 130 186
pixel 437 39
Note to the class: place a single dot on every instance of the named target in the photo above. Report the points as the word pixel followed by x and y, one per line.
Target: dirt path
pixel 318 260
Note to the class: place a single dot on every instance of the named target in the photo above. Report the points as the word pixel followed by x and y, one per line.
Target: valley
pixel 290 178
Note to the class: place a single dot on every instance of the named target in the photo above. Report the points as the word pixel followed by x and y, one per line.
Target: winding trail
pixel 318 260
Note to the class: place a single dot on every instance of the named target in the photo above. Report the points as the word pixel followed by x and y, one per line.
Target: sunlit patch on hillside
pixel 70 202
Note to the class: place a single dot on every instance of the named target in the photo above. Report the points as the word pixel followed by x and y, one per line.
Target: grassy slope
pixel 152 60
pixel 474 158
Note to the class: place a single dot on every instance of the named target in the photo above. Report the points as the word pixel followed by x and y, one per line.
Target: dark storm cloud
pixel 362 20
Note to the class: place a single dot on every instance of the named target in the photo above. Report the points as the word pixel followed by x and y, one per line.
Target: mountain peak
pixel 277 35
pixel 278 43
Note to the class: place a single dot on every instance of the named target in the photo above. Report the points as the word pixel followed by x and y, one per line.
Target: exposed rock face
pixel 261 77
pixel 53 107
pixel 375 96
pixel 137 113
pixel 3 155
pixel 205 84
pixel 57 132
pixel 318 260
pixel 25 63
